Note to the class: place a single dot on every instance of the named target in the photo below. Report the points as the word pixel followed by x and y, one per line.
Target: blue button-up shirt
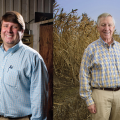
pixel 100 67
pixel 23 83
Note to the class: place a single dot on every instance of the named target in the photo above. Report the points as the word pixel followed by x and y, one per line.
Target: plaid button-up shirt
pixel 100 67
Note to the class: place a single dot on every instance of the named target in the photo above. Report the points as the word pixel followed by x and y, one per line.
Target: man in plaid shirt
pixel 100 73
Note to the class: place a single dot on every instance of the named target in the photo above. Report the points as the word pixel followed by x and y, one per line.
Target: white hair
pixel 104 15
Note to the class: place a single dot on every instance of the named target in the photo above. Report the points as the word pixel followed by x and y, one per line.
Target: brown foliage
pixel 72 34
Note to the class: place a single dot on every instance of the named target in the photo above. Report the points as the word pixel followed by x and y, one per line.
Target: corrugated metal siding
pixel 26 7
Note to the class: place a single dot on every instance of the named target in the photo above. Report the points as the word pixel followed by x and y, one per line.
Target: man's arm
pixel 85 77
pixel 39 90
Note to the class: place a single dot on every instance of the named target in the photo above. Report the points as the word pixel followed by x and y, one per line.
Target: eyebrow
pixel 8 24
pixel 107 23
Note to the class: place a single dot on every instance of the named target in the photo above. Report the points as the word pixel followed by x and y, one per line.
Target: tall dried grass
pixel 72 34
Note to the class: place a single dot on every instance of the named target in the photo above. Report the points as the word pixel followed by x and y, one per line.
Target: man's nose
pixel 9 29
pixel 106 27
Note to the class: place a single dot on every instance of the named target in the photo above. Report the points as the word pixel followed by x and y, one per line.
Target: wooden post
pixel 46 51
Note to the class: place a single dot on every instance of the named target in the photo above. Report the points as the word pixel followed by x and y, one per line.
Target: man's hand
pixel 92 109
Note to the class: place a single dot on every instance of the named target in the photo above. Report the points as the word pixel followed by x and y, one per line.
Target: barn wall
pixel 26 7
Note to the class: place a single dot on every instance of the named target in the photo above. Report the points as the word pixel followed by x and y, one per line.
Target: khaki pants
pixel 25 118
pixel 107 104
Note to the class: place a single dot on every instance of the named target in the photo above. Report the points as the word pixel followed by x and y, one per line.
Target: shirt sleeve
pixel 85 78
pixel 39 89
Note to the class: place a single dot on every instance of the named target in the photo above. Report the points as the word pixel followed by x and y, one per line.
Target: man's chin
pixel 106 37
pixel 11 42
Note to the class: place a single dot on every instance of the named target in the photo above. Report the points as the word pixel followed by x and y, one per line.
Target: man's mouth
pixel 8 36
pixel 106 33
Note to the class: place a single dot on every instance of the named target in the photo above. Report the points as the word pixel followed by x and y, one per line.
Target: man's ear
pixel 114 27
pixel 22 32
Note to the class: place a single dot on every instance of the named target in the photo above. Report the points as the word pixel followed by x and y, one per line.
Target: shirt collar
pixel 103 42
pixel 14 48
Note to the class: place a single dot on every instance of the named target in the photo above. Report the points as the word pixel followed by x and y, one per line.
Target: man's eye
pixel 5 26
pixel 110 25
pixel 14 27
pixel 103 25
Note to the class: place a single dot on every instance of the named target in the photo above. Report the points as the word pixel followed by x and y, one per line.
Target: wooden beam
pixel 11 5
pixel 3 6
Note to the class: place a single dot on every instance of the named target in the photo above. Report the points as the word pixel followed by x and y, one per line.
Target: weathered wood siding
pixel 26 7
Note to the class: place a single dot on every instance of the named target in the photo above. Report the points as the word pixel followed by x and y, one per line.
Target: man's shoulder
pixel 30 56
pixel 93 45
pixel 117 43
pixel 117 46
pixel 92 48
pixel 28 51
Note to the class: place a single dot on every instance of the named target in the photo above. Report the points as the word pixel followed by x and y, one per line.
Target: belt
pixel 109 89
pixel 28 116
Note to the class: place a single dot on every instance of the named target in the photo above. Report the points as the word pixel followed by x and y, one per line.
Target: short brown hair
pixel 14 17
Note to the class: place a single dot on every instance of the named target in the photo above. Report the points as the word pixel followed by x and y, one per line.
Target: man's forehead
pixel 11 23
pixel 106 19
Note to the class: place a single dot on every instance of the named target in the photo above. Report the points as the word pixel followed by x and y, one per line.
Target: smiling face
pixel 106 28
pixel 10 34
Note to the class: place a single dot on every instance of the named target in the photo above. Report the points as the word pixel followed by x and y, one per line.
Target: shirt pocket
pixel 97 65
pixel 11 78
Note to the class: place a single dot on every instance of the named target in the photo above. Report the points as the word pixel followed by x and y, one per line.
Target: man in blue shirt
pixel 23 74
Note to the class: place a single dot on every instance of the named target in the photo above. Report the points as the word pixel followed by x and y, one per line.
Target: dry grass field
pixel 71 35
pixel 67 103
